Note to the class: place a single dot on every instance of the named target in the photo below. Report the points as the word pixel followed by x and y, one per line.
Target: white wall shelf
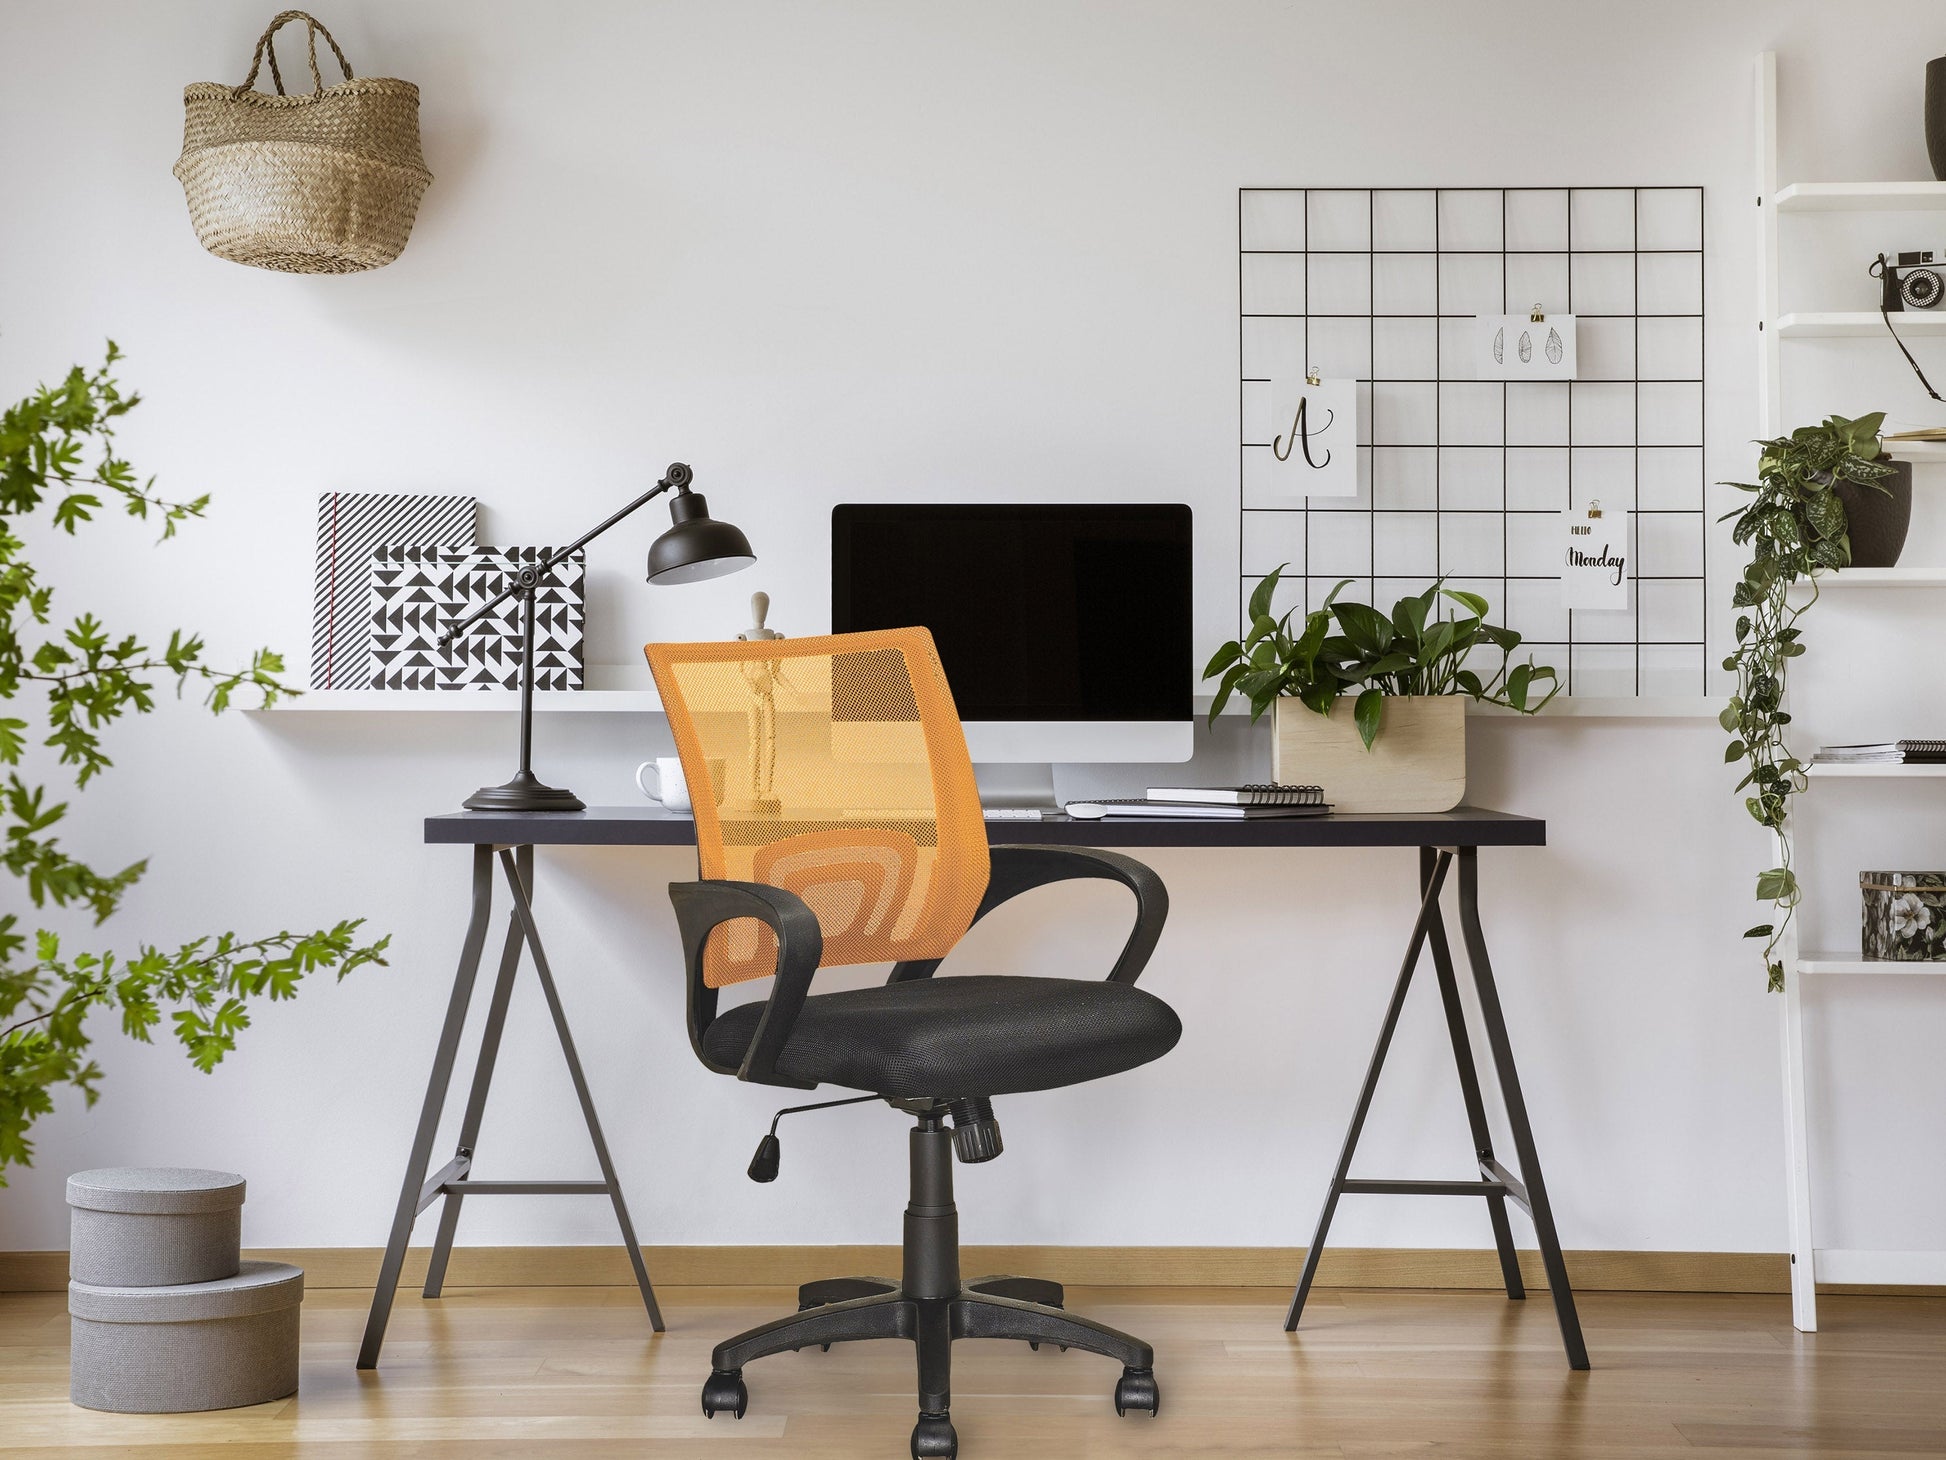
pixel 1853 963
pixel 1876 772
pixel 462 702
pixel 1915 451
pixel 1859 197
pixel 1827 325
pixel 1878 578
pixel 1613 707
pixel 648 702
pixel 1881 1269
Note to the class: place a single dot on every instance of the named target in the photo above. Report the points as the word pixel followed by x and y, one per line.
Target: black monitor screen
pixel 1040 612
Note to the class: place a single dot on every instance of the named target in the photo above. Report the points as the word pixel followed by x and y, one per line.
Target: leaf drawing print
pixel 1526 347
pixel 1553 347
pixel 1500 346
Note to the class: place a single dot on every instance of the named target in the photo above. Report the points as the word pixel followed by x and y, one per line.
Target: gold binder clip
pixel 1311 376
pixel 1594 507
pixel 1537 317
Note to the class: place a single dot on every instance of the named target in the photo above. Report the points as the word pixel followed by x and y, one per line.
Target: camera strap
pixel 1878 270
pixel 1887 317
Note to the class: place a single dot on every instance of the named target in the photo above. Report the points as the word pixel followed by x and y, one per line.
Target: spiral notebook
pixel 1894 752
pixel 1189 811
pixel 1260 794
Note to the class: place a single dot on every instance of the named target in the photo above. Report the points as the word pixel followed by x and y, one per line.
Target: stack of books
pixel 1211 803
pixel 1896 752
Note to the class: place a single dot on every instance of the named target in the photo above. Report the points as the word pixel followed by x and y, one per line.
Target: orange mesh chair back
pixel 834 768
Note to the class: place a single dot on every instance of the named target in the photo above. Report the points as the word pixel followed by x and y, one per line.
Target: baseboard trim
pixel 1239 1267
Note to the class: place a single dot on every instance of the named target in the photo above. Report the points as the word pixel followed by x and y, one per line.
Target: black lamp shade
pixel 698 546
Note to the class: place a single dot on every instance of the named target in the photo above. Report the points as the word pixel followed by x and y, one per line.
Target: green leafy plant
pixel 81 678
pixel 1352 648
pixel 1794 525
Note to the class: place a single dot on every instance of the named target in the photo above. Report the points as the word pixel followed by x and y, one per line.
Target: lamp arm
pixel 676 478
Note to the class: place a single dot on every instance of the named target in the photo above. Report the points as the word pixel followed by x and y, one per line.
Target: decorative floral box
pixel 1905 915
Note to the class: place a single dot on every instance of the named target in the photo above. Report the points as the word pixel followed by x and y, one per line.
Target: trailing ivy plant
pixel 1794 525
pixel 62 685
pixel 1413 651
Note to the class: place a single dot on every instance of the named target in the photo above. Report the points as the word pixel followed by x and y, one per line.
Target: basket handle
pixel 267 48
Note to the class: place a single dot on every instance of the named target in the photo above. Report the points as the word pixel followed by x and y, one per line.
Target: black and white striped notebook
pixel 351 527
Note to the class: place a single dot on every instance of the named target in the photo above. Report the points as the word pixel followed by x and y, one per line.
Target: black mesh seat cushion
pixel 960 1036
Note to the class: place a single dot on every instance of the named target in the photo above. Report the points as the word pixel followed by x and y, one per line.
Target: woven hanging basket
pixel 327 183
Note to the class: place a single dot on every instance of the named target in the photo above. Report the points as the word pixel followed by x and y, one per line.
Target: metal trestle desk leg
pixel 454 1182
pixel 1496 1183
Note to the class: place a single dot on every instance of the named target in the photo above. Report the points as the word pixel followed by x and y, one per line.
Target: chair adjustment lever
pixel 976 1134
pixel 763 1165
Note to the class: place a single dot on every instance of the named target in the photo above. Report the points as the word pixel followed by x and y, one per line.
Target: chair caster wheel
pixel 1136 1389
pixel 724 1390
pixel 933 1438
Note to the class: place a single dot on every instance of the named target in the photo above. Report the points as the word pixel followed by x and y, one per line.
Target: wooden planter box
pixel 1417 764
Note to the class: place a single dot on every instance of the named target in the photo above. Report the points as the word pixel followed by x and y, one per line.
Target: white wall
pixel 879 250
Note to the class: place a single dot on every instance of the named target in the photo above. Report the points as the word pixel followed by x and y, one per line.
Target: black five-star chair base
pixel 931 1307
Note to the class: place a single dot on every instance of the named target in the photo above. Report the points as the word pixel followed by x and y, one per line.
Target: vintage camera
pixel 1913 280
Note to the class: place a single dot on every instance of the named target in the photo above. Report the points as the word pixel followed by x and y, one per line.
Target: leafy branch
pixel 87 677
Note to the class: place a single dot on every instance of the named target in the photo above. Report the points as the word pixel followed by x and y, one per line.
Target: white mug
pixel 662 780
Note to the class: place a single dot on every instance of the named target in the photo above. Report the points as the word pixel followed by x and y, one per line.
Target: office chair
pixel 837 823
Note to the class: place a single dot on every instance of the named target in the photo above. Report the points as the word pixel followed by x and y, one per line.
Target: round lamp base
pixel 523 793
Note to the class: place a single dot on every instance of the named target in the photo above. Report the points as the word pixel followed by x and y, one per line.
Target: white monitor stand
pixel 1014 760
pixel 1016 786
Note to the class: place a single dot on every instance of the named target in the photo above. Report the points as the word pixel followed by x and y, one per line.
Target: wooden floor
pixel 573 1372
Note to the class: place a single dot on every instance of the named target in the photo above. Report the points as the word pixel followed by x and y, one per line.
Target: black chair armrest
pixel 703 906
pixel 1017 869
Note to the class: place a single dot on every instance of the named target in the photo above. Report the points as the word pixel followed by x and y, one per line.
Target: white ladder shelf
pixel 1809 1262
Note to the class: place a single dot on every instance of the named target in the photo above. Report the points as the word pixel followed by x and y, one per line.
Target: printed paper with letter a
pixel 1314 443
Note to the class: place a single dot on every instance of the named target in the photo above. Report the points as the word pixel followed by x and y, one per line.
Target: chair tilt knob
pixel 976 1134
pixel 770 1155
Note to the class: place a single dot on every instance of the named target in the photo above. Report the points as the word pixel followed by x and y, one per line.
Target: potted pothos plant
pixel 1810 485
pixel 1372 706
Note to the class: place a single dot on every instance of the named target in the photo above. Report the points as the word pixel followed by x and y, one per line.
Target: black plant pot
pixel 1936 116
pixel 1878 520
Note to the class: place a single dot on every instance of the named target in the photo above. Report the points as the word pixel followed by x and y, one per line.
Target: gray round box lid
pixel 155 1190
pixel 259 1287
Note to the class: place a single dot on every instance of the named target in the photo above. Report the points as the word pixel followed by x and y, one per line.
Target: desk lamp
pixel 695 547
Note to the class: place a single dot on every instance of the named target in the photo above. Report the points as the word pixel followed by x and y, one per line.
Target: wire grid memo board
pixel 1467 478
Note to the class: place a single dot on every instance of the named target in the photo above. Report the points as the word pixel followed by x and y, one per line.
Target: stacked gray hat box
pixel 166 1316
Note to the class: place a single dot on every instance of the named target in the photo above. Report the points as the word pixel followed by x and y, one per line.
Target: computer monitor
pixel 1064 629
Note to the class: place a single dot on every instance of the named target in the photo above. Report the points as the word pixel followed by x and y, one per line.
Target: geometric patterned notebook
pixel 417 593
pixel 351 525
